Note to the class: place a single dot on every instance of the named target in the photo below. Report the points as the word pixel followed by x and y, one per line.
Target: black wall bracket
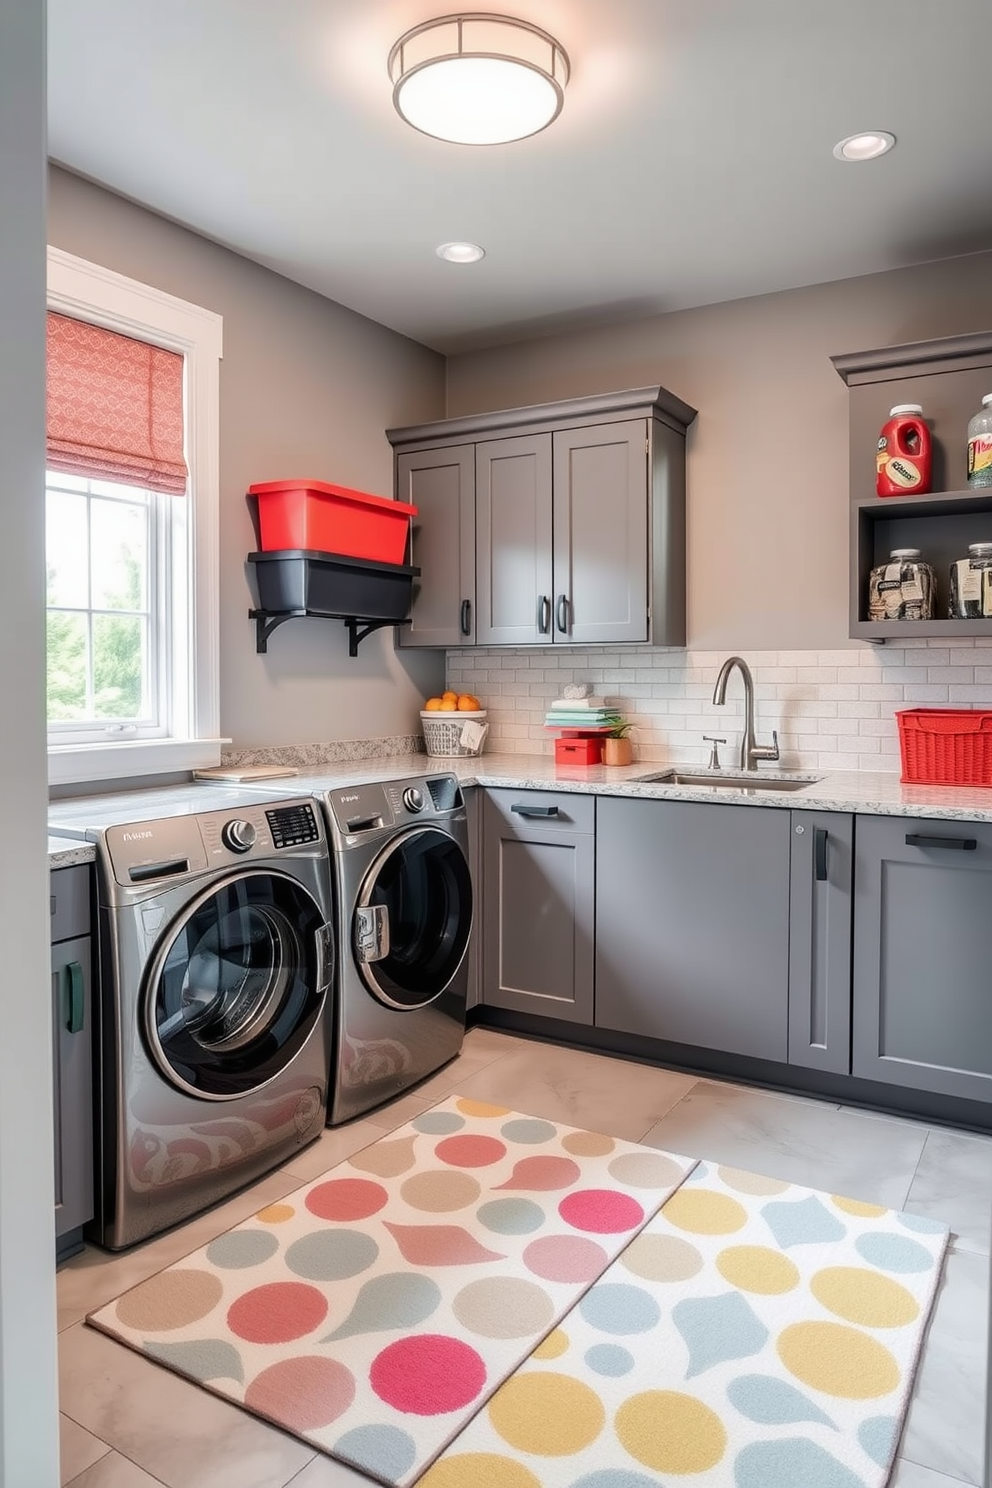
pixel 266 621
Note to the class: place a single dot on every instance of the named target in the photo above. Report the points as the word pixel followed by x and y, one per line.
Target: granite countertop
pixel 874 794
pixel 64 853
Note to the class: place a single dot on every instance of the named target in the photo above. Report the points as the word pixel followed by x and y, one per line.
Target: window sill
pixel 73 764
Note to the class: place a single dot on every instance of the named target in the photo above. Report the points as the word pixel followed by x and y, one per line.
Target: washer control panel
pixel 413 798
pixel 291 826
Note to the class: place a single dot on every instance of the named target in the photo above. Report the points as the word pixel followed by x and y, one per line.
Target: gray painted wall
pixel 307 389
pixel 768 454
pixel 28 1419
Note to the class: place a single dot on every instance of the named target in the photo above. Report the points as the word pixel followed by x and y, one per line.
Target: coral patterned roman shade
pixel 115 407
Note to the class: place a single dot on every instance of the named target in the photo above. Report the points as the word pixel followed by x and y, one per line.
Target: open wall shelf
pixel 948 377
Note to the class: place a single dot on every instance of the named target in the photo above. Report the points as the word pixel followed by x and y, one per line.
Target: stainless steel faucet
pixel 751 752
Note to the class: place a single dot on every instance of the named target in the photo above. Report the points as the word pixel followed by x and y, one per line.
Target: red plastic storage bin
pixel 945 746
pixel 313 515
pixel 578 751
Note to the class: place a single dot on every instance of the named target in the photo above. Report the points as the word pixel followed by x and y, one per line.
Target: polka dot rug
pixel 375 1310
pixel 753 1335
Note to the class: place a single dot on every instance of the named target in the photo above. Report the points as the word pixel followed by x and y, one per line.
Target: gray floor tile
pixel 115 1471
pixel 615 1096
pixel 173 1429
pixel 911 1475
pixel 78 1449
pixel 800 1141
pixel 945 1426
pixel 953 1183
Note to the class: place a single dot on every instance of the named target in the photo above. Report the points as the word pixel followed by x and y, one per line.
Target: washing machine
pixel 404 906
pixel 216 952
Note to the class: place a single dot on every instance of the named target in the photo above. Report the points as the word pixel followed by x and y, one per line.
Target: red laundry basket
pixel 314 515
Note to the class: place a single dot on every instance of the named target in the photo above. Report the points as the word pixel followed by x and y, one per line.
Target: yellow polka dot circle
pixel 858 1207
pixel 549 1415
pixel 276 1213
pixel 703 1212
pixel 671 1432
pixel 553 1346
pixel 864 1297
pixel 481 1468
pixel 755 1268
pixel 481 1108
pixel 840 1361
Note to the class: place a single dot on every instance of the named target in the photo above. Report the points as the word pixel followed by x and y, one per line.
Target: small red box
pixel 331 519
pixel 581 751
pixel 945 746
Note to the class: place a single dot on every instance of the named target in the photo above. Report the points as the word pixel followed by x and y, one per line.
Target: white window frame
pixel 89 292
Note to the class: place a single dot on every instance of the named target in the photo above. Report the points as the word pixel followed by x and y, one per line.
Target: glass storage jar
pixel 971 584
pixel 902 589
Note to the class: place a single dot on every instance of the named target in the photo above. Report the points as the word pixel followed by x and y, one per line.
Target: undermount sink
pixel 726 780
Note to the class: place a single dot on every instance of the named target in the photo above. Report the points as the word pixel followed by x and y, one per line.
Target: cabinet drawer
pixel 69 897
pixel 545 809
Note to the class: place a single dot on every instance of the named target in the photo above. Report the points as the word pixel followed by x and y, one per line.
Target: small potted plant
pixel 617 746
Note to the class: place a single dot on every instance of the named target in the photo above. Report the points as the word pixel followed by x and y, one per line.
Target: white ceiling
pixel 691 163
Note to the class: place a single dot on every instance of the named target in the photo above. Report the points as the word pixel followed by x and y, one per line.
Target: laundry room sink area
pixel 726 780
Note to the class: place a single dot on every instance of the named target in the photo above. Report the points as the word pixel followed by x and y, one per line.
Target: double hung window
pixel 131 507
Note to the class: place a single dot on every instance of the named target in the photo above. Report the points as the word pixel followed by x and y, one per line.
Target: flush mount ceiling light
pixel 865 146
pixel 460 252
pixel 478 79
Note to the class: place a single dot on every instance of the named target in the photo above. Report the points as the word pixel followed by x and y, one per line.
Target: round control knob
pixel 238 835
pixel 413 799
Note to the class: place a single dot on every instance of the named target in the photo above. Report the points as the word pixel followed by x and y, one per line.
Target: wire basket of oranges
pixel 454 725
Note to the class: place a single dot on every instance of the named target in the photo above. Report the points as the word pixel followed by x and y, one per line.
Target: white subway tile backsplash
pixel 833 709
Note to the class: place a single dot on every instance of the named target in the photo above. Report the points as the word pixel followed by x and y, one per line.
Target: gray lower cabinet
pixel 538 884
pixel 822 866
pixel 440 483
pixel 72 1054
pixel 692 924
pixel 922 991
pixel 473 811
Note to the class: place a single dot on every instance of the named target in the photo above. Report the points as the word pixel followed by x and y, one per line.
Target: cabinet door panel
pixel 441 484
pixel 601 533
pixel 513 511
pixel 922 1002
pixel 537 953
pixel 692 924
pixel 72 1052
pixel 820 941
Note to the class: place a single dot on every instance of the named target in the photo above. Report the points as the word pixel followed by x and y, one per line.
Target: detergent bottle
pixel 905 453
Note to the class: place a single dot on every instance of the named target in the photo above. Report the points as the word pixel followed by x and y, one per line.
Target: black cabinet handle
pixel 543 614
pixel 75 1000
pixel 466 618
pixel 820 835
pixel 563 613
pixel 959 844
pixel 535 810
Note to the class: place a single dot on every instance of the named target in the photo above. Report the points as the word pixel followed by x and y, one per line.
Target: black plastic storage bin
pixel 302 581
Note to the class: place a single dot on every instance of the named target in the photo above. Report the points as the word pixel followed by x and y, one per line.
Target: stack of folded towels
pixel 591 714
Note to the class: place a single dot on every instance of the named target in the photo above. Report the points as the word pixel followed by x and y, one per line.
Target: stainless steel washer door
pixel 411 924
pixel 237 985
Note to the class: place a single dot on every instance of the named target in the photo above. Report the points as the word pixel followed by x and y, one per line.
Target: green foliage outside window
pixel 118 656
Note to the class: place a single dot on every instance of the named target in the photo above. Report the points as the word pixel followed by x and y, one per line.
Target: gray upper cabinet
pixel 441 484
pixel 513 525
pixel 692 924
pixel 600 505
pixel 922 1003
pixel 820 908
pixel 577 529
pixel 539 870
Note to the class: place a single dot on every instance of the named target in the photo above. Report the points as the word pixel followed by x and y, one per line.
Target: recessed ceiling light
pixel 865 146
pixel 478 78
pixel 460 252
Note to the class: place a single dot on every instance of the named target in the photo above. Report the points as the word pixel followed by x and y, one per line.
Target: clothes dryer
pixel 216 960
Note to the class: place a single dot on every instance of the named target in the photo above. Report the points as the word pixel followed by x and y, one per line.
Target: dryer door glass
pixel 412 923
pixel 238 985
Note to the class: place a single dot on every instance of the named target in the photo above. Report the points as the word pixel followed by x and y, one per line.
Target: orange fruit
pixel 448 705
pixel 449 697
pixel 433 705
pixel 468 704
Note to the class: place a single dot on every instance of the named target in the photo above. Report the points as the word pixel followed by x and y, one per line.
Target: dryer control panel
pixel 371 808
pixel 150 852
